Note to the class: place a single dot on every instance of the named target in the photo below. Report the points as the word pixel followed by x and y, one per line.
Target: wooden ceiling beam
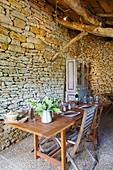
pixel 82 11
pixel 95 30
pixel 108 22
pixel 104 15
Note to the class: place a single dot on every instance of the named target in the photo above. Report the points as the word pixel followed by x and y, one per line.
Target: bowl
pixel 12 117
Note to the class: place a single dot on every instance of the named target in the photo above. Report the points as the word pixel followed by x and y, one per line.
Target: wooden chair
pixel 43 145
pixel 95 127
pixel 77 139
pixel 43 142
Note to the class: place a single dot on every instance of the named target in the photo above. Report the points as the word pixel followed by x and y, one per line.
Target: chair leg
pixel 97 135
pixel 72 161
pixel 93 158
pixel 75 165
pixel 93 139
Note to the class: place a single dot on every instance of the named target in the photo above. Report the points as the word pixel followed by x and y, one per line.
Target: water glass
pixel 96 99
pixel 73 105
pixel 69 106
pixel 90 100
pixel 84 99
pixel 64 108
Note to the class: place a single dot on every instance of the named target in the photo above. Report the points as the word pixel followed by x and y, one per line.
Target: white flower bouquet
pixel 47 104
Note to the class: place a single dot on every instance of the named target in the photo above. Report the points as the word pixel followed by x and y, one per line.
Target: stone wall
pixel 29 37
pixel 99 51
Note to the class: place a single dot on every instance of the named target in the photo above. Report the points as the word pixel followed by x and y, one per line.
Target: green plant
pixel 47 104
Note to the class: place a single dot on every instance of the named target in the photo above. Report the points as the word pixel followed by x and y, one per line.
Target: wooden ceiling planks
pixel 111 4
pixel 105 6
pixel 101 8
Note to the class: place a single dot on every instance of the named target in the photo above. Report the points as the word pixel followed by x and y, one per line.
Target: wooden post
pixel 63 150
pixel 35 146
pixel 78 37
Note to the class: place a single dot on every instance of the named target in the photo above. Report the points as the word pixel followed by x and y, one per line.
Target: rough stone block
pixel 5 2
pixel 16 48
pixel 15 3
pixel 4 46
pixel 32 40
pixel 3 30
pixel 25 12
pixel 15 42
pixel 28 33
pixel 5 19
pixel 12 64
pixel 47 55
pixel 42 32
pixel 19 23
pixel 49 40
pixel 39 47
pixel 4 39
pixel 18 14
pixel 35 30
pixel 17 36
pixel 12 28
pixel 28 45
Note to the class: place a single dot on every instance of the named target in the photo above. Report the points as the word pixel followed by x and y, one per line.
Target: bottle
pixel 77 98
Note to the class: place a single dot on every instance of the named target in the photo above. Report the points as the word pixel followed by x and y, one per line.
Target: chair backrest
pixel 98 116
pixel 89 118
pixel 86 126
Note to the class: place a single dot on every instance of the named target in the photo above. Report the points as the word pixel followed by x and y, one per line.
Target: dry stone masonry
pixel 99 51
pixel 29 38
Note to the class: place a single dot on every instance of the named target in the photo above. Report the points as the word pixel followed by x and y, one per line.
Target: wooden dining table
pixel 59 124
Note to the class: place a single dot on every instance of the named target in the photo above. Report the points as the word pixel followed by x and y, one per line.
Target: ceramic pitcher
pixel 46 116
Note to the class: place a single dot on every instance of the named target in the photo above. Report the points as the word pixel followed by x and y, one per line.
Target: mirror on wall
pixel 79 73
pixel 85 74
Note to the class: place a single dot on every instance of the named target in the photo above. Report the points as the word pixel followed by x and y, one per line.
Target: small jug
pixel 46 116
pixel 31 113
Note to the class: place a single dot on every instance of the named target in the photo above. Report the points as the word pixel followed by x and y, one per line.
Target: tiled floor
pixel 19 156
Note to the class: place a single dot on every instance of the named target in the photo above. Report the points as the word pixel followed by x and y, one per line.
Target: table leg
pixel 63 150
pixel 36 142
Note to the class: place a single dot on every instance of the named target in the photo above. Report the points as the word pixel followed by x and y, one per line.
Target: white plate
pixel 85 107
pixel 70 114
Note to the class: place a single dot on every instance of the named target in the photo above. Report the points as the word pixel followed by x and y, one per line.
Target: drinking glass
pixel 73 105
pixel 90 100
pixel 69 106
pixel 84 99
pixel 64 108
pixel 96 99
